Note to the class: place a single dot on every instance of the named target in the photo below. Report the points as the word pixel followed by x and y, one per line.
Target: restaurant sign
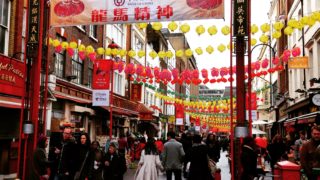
pixel 299 63
pixel 11 76
pixel 240 16
pixel 34 11
pixel 79 12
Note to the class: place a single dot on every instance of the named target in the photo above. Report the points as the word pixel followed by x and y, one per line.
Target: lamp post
pixel 303 51
pixel 112 45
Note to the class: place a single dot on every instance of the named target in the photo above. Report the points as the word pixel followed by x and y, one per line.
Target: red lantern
pixel 257 65
pixel 275 60
pixel 150 81
pixel 204 73
pixel 296 52
pixel 195 74
pixel 205 81
pixel 265 63
pixel 120 66
pixel 230 79
pixel 175 73
pixel 213 80
pixel 214 72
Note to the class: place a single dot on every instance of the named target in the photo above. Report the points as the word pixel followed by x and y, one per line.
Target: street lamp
pixel 112 45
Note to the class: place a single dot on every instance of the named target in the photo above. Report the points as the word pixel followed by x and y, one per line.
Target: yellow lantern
pixel 276 34
pixel 141 53
pixel 82 47
pixel 288 30
pixel 225 30
pixel 179 53
pixel 64 45
pixel 310 21
pixel 131 53
pixel 157 26
pixel 161 54
pixel 89 49
pixel 50 41
pixel 100 51
pixel 209 49
pixel 123 52
pixel 264 38
pixel 316 16
pixel 299 25
pixel 142 25
pixel 153 54
pixel 221 48
pixel 184 28
pixel 199 51
pixel 278 25
pixel 200 29
pixel 55 43
pixel 169 54
pixel 108 51
pixel 172 26
pixel 254 29
pixel 73 45
pixel 212 30
pixel 265 27
pixel 253 41
pixel 304 20
pixel 115 51
pixel 293 23
pixel 188 52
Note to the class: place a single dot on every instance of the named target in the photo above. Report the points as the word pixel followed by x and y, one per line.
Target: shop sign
pixel 100 98
pixel 240 16
pixel 299 62
pixel 179 121
pixel 179 112
pixel 101 74
pixel 75 12
pixel 11 76
pixel 136 92
pixel 145 116
pixel 34 20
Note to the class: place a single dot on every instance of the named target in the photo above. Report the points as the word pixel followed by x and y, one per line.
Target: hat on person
pixel 114 144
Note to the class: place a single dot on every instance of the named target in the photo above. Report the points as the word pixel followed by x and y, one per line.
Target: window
pixel 90 72
pixel 116 32
pixel 138 44
pixel 77 68
pixel 4 25
pixel 93 31
pixel 118 84
pixel 59 61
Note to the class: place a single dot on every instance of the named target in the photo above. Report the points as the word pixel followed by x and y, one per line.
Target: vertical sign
pixel 253 101
pixel 179 114
pixel 240 15
pixel 136 92
pixel 100 98
pixel 101 74
pixel 34 20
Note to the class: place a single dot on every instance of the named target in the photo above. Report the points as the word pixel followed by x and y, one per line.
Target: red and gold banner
pixel 11 76
pixel 299 62
pixel 101 74
pixel 136 92
pixel 78 12
pixel 253 103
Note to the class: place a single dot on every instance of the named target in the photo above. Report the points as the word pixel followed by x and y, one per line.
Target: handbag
pixel 78 173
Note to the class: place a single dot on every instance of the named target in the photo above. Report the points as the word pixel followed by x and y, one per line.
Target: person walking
pixel 308 153
pixel 115 164
pixel 96 162
pixel 276 150
pixel 298 145
pixel 82 159
pixel 199 160
pixel 149 163
pixel 248 159
pixel 173 155
pixel 40 163
pixel 213 147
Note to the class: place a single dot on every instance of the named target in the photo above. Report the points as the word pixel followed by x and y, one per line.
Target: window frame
pixel 6 27
pixel 76 62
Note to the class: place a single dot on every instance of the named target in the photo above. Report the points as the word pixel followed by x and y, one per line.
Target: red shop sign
pixel 11 76
pixel 253 102
pixel 136 92
pixel 101 74
pixel 145 116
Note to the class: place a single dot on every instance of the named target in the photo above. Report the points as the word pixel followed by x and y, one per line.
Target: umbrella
pixel 258 122
pixel 257 131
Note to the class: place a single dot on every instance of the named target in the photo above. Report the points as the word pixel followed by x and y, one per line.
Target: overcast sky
pixel 217 59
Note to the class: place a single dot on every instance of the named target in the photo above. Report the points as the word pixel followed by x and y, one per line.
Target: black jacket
pixel 117 167
pixel 249 163
pixel 39 164
pixel 199 168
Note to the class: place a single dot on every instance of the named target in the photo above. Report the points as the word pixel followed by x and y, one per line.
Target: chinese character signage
pixel 34 11
pixel 299 63
pixel 253 103
pixel 240 16
pixel 77 12
pixel 101 74
pixel 11 76
pixel 136 92
pixel 100 97
pixel 179 114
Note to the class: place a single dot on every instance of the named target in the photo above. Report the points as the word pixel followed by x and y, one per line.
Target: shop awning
pixel 10 102
pixel 143 109
pixel 306 118
pixel 71 98
pixel 121 111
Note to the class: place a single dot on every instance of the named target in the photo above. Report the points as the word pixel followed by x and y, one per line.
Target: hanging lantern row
pixel 309 20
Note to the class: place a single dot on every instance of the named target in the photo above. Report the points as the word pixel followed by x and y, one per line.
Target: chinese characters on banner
pixel 299 63
pixel 34 11
pixel 240 14
pixel 136 92
pixel 179 114
pixel 101 82
pixel 76 12
pixel 253 103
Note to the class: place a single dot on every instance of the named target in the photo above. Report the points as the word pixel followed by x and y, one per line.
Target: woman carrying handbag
pixel 82 160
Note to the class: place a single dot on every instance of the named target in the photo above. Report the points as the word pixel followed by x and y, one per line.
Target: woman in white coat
pixel 149 164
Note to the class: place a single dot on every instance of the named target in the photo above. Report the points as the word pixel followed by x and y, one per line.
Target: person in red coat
pixel 139 148
pixel 159 145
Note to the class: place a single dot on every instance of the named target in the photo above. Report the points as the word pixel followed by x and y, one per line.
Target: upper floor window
pixel 59 63
pixel 93 31
pixel 138 44
pixel 116 32
pixel 4 25
pixel 90 72
pixel 118 84
pixel 77 68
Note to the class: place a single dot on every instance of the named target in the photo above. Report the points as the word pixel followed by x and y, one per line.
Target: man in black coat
pixel 249 159
pixel 115 164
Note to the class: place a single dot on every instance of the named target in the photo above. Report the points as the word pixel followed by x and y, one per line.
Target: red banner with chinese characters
pixel 80 12
pixel 179 111
pixel 145 116
pixel 101 74
pixel 253 102
pixel 136 92
pixel 11 76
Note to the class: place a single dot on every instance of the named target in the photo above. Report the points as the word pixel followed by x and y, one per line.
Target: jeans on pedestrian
pixel 177 174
